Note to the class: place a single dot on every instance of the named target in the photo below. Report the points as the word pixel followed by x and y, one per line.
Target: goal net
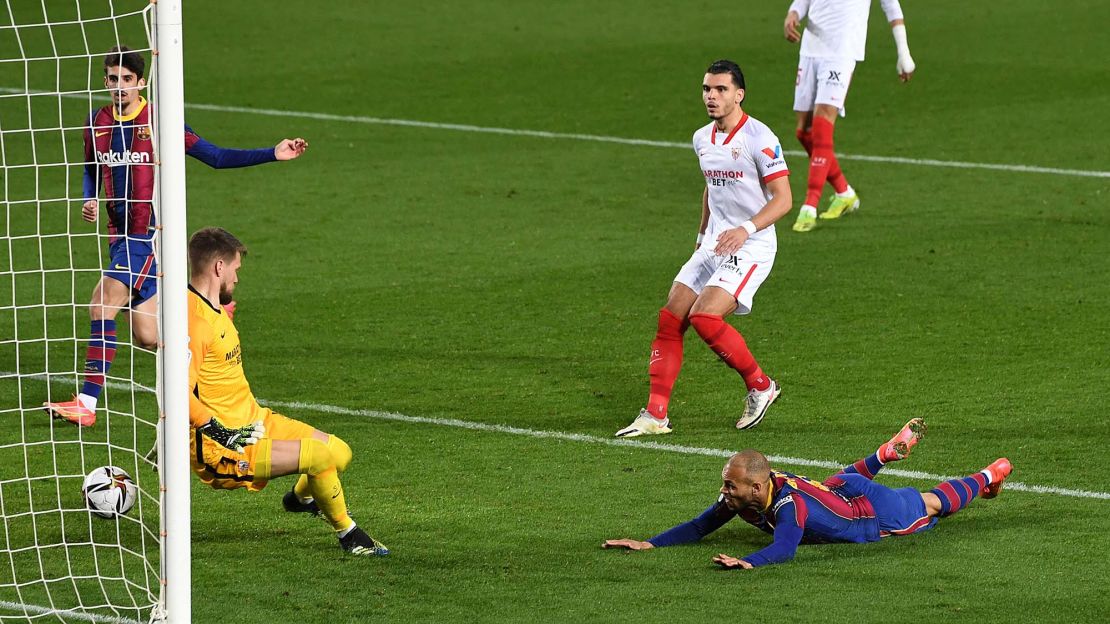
pixel 58 562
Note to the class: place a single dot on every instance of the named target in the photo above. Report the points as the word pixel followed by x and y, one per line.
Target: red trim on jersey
pixel 801 512
pixel 743 120
pixel 776 175
pixel 713 134
pixel 745 280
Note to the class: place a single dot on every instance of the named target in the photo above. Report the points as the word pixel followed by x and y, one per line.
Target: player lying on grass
pixel 119 163
pixel 846 507
pixel 235 442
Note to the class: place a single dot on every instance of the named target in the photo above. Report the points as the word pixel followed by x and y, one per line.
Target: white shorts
pixel 822 81
pixel 740 275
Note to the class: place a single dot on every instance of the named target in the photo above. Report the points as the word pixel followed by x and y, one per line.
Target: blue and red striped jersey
pixel 119 162
pixel 800 511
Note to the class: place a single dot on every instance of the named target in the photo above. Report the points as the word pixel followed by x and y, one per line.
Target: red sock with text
pixel 665 362
pixel 729 345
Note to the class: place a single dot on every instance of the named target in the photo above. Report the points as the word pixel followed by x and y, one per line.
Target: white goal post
pixel 58 562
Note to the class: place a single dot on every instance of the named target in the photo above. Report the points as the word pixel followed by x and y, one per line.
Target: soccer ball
pixel 109 492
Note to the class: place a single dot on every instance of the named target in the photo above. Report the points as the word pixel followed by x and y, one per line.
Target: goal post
pixel 58 561
pixel 174 322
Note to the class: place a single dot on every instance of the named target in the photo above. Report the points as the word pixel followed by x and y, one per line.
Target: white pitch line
pixel 597 138
pixel 592 439
pixel 65 613
pixel 922 162
pixel 655 446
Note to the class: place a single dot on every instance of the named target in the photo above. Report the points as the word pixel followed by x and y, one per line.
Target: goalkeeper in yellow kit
pixel 235 442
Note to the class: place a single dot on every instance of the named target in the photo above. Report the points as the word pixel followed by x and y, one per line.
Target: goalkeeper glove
pixel 233 439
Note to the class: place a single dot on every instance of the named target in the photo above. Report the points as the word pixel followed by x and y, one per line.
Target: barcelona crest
pixel 142 133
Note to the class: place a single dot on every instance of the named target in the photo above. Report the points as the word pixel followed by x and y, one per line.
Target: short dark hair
pixel 725 66
pixel 123 56
pixel 210 244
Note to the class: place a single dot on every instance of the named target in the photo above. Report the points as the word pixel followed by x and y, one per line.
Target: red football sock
pixel 729 345
pixel 820 159
pixel 835 175
pixel 805 137
pixel 827 166
pixel 665 362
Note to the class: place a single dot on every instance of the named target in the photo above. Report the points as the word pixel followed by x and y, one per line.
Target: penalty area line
pixel 589 439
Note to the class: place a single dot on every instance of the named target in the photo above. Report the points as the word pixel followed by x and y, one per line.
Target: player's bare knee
pixel 340 452
pixel 680 299
pixel 145 339
pixel 101 312
pixel 805 121
pixel 826 112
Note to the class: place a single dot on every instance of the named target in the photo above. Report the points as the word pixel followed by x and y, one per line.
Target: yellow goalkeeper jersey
pixel 217 385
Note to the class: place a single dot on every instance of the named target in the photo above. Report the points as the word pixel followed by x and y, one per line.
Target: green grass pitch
pixel 514 280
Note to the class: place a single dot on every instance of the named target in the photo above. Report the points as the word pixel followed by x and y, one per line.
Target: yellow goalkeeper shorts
pixel 224 469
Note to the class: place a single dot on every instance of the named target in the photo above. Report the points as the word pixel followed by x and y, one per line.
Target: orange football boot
pixel 74 411
pixel 999 470
pixel 902 443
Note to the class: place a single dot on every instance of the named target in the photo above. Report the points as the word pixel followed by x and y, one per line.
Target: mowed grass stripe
pixel 544 134
pixel 592 439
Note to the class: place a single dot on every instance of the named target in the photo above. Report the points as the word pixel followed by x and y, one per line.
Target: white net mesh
pixel 57 561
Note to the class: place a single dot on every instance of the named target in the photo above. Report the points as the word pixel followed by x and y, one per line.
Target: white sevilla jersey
pixel 838 28
pixel 737 168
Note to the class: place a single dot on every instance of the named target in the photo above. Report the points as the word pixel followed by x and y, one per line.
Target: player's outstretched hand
pixel 233 439
pixel 730 241
pixel 731 563
pixel 790 27
pixel 88 210
pixel 905 68
pixel 628 544
pixel 289 149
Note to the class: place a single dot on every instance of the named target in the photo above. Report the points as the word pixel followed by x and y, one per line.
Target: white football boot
pixel 755 406
pixel 645 424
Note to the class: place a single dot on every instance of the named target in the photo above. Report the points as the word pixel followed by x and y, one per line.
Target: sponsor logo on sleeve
pixel 782 501
pixel 774 156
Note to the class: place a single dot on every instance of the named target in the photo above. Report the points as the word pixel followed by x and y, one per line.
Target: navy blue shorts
pixel 900 511
pixel 132 262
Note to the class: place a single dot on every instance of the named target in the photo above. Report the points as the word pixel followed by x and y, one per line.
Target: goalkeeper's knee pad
pixel 340 452
pixel 315 457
